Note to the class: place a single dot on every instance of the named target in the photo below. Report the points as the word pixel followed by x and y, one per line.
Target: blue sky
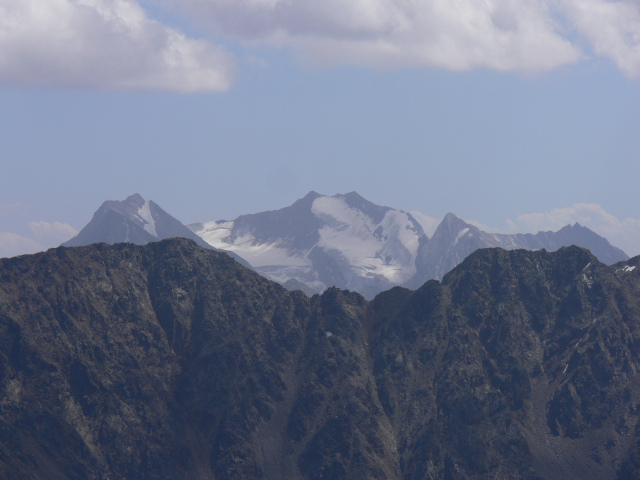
pixel 517 115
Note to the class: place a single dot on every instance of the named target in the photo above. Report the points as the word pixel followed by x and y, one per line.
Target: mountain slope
pixel 349 242
pixel 455 239
pixel 321 241
pixel 171 361
pixel 136 221
pixel 132 220
pixel 517 362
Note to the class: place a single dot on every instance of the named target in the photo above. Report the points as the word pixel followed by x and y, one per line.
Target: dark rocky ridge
pixel 172 361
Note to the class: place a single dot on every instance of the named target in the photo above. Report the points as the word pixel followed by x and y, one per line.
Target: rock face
pixel 131 220
pixel 455 239
pixel 349 242
pixel 322 241
pixel 137 221
pixel 172 361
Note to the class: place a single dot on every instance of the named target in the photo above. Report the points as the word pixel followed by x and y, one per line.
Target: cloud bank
pixel 109 44
pixel 624 234
pixel 114 44
pixel 505 35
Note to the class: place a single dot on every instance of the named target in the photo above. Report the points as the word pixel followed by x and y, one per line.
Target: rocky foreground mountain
pixel 170 361
pixel 349 242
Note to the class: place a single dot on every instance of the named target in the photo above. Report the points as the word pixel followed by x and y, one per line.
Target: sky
pixel 517 115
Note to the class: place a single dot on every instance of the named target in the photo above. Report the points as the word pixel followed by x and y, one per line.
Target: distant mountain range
pixel 349 242
pixel 322 241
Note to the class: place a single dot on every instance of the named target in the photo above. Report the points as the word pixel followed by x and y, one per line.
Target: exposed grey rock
pixel 171 361
pixel 349 242
pixel 455 239
pixel 136 221
pixel 344 241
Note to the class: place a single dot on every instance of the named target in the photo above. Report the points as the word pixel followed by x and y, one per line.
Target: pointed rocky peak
pixel 577 234
pixel 452 228
pixel 575 228
pixel 312 195
pixel 132 220
pixel 352 196
pixel 134 200
pixel 450 219
pixel 357 202
pixel 305 202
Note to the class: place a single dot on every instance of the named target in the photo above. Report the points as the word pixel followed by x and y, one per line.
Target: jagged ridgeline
pixel 343 240
pixel 170 361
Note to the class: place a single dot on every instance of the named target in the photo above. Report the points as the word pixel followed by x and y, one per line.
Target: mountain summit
pixel 320 241
pixel 349 242
pixel 134 220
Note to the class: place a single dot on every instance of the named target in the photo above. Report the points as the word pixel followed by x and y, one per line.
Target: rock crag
pixel 172 361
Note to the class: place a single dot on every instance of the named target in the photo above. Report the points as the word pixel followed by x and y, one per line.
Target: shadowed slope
pixel 172 361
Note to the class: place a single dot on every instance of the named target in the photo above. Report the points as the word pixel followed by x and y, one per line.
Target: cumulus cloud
pixel 43 235
pixel 505 35
pixel 456 35
pixel 109 44
pixel 114 44
pixel 624 234
pixel 611 28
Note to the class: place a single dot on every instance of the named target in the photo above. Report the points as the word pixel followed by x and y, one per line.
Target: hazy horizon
pixel 518 117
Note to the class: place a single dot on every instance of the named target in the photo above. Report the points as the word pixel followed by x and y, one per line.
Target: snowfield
pixel 144 213
pixel 347 241
pixel 370 249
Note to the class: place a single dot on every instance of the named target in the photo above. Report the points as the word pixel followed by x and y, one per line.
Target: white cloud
pixel 624 234
pixel 44 235
pixel 611 28
pixel 12 244
pixel 505 35
pixel 114 44
pixel 109 44
pixel 52 234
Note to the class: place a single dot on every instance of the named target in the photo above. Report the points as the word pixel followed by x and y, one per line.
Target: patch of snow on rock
pixel 428 224
pixel 144 212
pixel 217 234
pixel 460 234
pixel 349 231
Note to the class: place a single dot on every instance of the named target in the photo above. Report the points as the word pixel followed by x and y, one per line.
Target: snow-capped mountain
pixel 349 242
pixel 133 220
pixel 322 241
pixel 455 239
